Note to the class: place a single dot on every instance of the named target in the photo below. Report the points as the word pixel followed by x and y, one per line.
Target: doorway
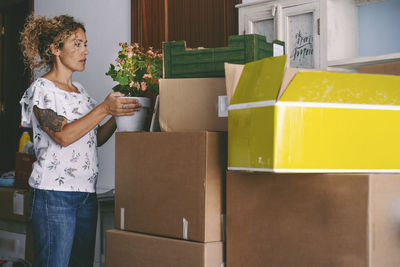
pixel 14 79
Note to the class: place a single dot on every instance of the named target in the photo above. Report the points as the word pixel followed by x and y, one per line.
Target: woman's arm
pixel 105 131
pixel 64 133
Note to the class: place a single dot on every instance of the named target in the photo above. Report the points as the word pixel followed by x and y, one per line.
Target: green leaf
pixel 111 72
pixel 117 88
pixel 122 80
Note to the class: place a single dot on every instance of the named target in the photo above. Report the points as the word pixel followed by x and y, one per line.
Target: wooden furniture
pixel 205 23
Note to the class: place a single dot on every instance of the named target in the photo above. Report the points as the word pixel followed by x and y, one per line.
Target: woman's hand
pixel 118 106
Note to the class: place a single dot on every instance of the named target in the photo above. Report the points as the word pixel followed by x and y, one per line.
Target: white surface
pixel 366 2
pixel 18 203
pixel 137 121
pixel 222 106
pixel 107 23
pixel 355 63
pixel 313 105
pixel 278 50
pixel 278 170
pixel 340 27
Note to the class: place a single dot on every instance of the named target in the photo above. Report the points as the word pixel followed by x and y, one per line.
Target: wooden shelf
pixel 355 63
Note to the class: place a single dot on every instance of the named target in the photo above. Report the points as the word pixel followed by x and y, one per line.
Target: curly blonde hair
pixel 39 33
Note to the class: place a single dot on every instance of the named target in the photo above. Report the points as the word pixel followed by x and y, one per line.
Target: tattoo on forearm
pixel 48 118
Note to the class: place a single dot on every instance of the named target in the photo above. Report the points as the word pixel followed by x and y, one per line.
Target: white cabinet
pixel 294 22
pixel 317 33
pixel 260 18
pixel 340 33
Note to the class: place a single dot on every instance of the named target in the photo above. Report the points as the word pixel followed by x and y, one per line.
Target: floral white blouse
pixel 71 168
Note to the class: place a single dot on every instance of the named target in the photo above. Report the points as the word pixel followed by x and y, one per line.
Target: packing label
pixel 18 203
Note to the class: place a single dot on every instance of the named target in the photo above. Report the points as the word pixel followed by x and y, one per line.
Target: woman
pixel 65 122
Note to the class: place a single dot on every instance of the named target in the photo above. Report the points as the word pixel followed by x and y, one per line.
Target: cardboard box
pixel 232 76
pixel 181 62
pixel 191 104
pixel 16 240
pixel 307 220
pixel 12 245
pixel 23 169
pixel 392 68
pixel 14 204
pixel 295 120
pixel 134 249
pixel 171 184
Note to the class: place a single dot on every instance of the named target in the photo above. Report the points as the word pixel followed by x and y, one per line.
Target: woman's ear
pixel 54 50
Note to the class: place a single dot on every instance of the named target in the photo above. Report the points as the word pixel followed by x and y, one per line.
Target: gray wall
pixel 107 23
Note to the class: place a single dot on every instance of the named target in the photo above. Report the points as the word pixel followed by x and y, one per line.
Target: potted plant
pixel 137 71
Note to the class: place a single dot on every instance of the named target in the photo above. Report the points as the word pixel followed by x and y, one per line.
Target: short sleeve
pixel 37 95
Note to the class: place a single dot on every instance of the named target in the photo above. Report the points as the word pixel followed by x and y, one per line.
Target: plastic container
pixel 25 138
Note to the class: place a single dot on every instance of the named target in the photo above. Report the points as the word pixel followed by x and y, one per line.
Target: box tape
pixel 185 228
pixel 122 226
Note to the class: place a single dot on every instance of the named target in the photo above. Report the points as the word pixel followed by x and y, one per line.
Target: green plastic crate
pixel 180 62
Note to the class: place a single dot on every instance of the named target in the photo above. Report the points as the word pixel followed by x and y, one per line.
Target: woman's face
pixel 73 53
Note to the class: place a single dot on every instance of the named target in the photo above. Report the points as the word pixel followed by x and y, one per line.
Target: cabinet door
pixel 260 19
pixel 301 36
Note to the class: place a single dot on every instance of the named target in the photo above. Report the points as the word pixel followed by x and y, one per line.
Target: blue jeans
pixel 63 227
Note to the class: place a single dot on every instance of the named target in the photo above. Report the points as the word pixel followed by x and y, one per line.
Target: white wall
pixel 107 23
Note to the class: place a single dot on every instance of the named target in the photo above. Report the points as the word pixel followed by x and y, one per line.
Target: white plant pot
pixel 134 123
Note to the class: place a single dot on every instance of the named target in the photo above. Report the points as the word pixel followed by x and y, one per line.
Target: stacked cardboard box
pixel 306 124
pixel 341 220
pixel 191 104
pixel 391 68
pixel 15 235
pixel 169 186
pixel 23 169
pixel 293 120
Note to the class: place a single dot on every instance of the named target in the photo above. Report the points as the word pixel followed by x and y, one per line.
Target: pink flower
pixel 130 54
pixel 131 84
pixel 144 86
pixel 122 62
pixel 147 75
pixel 137 85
